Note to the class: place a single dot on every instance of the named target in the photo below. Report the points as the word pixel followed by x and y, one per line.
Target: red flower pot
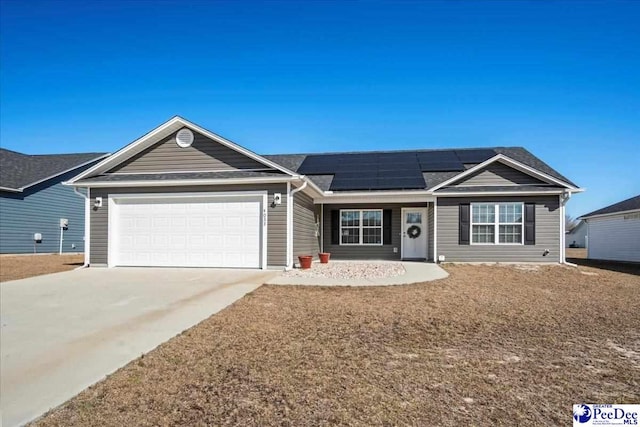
pixel 324 257
pixel 305 261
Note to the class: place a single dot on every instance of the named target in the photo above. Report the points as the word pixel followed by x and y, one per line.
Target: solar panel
pixel 353 183
pixel 362 167
pixel 320 165
pixel 437 156
pixel 442 166
pixel 411 166
pixel 400 173
pixel 395 170
pixel 391 179
pixel 397 157
pixel 361 158
pixel 438 161
pixel 377 185
pixel 401 183
pixel 475 155
pixel 357 174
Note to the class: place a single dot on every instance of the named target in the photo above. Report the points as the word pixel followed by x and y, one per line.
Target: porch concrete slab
pixel 63 332
pixel 415 272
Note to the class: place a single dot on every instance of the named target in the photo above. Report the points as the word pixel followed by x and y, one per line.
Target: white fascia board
pixel 182 182
pixel 610 214
pixel 162 131
pixel 389 197
pixel 12 190
pixel 500 193
pixel 311 189
pixel 509 162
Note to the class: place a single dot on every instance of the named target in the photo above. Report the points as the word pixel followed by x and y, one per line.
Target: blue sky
pixel 559 78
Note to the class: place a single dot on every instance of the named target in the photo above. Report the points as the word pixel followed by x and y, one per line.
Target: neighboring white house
pixel 577 236
pixel 613 232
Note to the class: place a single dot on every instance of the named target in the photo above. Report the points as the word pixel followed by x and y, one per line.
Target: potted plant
pixel 305 261
pixel 324 257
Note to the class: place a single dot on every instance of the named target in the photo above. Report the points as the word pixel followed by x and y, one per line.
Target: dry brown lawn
pixel 489 345
pixel 23 266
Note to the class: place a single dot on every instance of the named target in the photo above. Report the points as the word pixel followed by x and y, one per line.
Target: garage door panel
pixel 232 244
pixel 250 240
pixel 142 241
pixel 187 233
pixel 233 223
pixel 161 221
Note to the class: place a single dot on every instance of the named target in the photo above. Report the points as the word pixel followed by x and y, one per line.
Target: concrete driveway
pixel 63 332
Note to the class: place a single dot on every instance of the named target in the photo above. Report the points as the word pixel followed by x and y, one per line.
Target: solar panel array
pixel 387 171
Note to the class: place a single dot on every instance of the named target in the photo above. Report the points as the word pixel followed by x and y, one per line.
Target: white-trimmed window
pixel 497 223
pixel 361 227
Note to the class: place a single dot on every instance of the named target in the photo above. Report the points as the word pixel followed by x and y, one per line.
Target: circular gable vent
pixel 184 138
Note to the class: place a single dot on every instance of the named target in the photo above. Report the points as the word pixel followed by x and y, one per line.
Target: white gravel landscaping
pixel 350 270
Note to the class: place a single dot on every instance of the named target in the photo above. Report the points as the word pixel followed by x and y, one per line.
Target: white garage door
pixel 186 232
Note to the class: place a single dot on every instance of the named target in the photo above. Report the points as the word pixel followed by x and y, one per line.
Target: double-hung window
pixel 497 223
pixel 361 227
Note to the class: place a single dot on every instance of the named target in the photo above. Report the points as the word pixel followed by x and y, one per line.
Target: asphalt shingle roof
pixel 324 181
pixel 18 170
pixel 520 154
pixel 623 206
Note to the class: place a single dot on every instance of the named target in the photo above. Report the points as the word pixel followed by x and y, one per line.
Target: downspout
pixel 322 227
pixel 435 230
pixel 87 213
pixel 290 224
pixel 564 198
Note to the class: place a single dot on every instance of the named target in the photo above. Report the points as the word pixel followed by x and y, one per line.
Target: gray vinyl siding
pixel 305 215
pixel 383 252
pixel 38 210
pixel 276 217
pixel 203 155
pixel 497 174
pixel 547 232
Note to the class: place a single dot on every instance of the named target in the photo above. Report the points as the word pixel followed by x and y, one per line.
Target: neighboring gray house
pixel 184 196
pixel 613 232
pixel 577 236
pixel 33 200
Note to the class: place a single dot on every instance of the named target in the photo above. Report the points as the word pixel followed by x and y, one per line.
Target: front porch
pixel 378 231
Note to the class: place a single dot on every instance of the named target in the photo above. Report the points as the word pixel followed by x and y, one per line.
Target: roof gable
pixel 203 155
pixel 160 134
pixel 501 158
pixel 497 173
